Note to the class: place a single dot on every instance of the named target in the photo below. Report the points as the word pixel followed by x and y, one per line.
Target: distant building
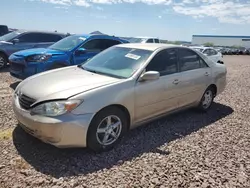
pixel 218 40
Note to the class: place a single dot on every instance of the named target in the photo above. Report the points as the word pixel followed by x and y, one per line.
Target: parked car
pixel 229 51
pixel 144 40
pixel 21 40
pixel 72 50
pixel 95 103
pixel 210 52
pixel 224 51
pixel 246 52
pixel 3 30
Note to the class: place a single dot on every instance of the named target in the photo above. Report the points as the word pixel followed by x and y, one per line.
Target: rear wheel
pixel 106 129
pixel 207 99
pixel 3 61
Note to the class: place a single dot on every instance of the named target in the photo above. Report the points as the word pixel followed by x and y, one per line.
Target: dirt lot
pixel 183 150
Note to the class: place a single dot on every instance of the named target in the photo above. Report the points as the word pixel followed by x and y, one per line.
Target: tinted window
pixel 150 41
pixel 157 41
pixel 50 38
pixel 39 37
pixel 164 62
pixel 95 44
pixel 188 60
pixel 108 43
pixel 29 37
pixel 213 52
pixel 207 51
pixel 100 44
pixel 8 37
pixel 203 64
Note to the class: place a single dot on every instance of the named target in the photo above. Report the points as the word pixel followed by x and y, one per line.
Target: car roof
pixel 148 46
pixel 201 47
pixel 36 31
pixel 102 36
pixel 145 37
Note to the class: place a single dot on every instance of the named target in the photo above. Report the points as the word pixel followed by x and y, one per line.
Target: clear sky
pixel 167 19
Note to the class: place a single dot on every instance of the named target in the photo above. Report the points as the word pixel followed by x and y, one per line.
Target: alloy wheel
pixel 2 62
pixel 207 100
pixel 109 130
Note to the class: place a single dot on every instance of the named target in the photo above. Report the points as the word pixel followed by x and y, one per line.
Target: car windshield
pixel 119 62
pixel 8 37
pixel 68 43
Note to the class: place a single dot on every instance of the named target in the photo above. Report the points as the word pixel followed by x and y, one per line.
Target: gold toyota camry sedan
pixel 94 104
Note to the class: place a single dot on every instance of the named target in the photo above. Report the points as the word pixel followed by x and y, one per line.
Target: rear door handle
pixel 176 82
pixel 206 74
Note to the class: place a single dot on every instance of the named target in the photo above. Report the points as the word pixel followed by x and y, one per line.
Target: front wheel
pixel 106 129
pixel 3 61
pixel 206 100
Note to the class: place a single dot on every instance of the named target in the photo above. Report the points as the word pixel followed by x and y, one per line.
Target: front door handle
pixel 176 82
pixel 206 74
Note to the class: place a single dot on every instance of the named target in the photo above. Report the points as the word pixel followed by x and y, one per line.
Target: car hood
pixel 35 51
pixel 62 84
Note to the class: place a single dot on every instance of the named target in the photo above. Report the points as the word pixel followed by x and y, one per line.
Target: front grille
pixel 25 101
pixel 16 66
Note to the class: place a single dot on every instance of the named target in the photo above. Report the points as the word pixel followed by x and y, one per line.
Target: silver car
pixel 94 104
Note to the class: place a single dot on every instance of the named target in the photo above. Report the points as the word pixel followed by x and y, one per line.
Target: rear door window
pixel 213 52
pixel 189 60
pixel 93 45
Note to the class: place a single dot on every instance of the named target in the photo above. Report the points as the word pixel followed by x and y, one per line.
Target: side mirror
pixel 80 51
pixel 15 41
pixel 150 75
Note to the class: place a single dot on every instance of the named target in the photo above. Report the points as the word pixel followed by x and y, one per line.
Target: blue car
pixel 72 50
pixel 22 40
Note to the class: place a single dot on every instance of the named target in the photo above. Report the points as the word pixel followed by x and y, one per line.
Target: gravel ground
pixel 188 149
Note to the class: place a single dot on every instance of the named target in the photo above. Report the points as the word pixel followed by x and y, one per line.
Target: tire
pixel 207 100
pixel 3 61
pixel 95 140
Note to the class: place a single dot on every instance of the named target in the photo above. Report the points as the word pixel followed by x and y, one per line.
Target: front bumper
pixel 24 70
pixel 64 131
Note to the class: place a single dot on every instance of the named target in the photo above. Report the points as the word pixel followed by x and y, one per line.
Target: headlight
pixel 55 108
pixel 38 58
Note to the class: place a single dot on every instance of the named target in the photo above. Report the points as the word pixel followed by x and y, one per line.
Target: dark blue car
pixel 22 40
pixel 72 50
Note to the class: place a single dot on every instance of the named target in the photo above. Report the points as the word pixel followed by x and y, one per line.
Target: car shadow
pixel 5 69
pixel 148 138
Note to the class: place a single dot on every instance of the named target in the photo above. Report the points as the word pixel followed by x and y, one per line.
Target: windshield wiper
pixel 81 67
pixel 98 72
